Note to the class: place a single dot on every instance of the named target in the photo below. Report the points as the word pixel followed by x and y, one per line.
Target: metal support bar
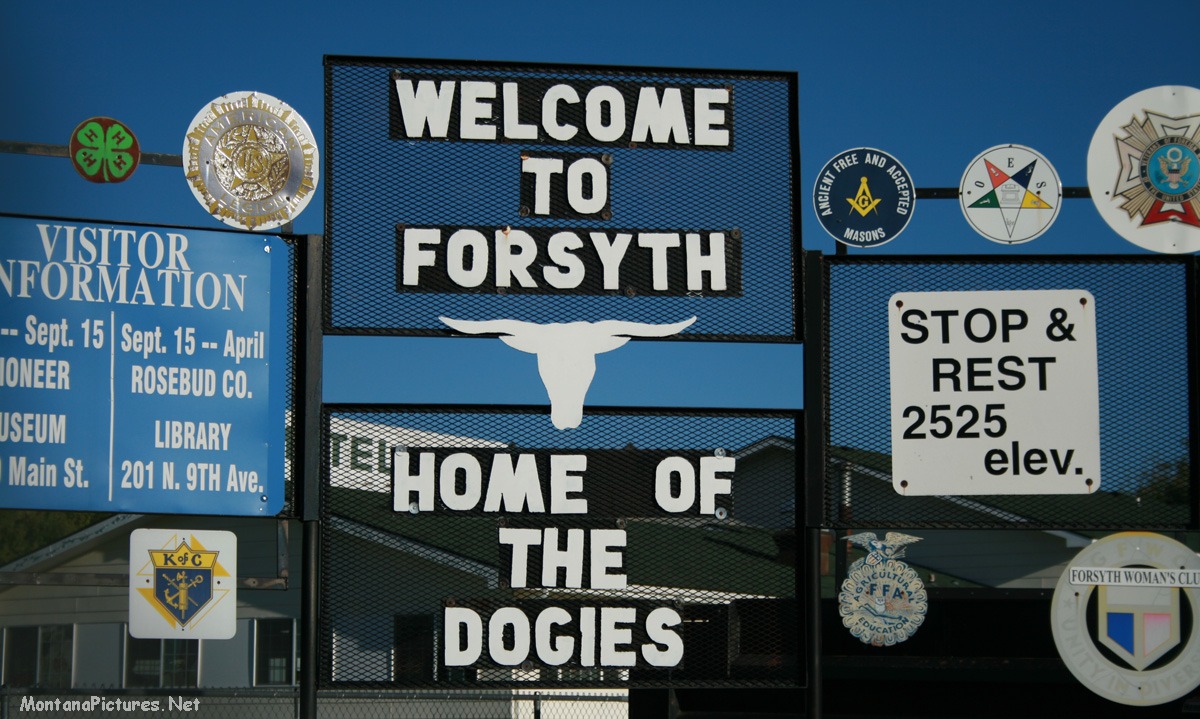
pixel 814 469
pixel 951 193
pixel 113 579
pixel 308 451
pixel 309 605
pixel 42 149
pixel 815 695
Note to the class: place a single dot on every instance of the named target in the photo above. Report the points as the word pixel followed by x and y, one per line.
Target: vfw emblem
pixel 1144 169
pixel 182 584
pixel 882 600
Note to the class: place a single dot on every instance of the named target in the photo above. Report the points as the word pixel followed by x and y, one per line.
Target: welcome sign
pixel 560 194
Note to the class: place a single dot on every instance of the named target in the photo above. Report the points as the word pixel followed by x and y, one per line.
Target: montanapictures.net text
pixel 107 704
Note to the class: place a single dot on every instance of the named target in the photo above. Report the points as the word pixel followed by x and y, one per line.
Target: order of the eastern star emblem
pixel 882 600
pixel 183 580
pixel 1144 169
pixel 1010 194
pixel 251 160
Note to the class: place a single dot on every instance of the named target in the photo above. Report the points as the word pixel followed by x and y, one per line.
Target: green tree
pixel 24 531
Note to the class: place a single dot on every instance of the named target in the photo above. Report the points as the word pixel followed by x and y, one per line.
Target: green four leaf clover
pixel 104 150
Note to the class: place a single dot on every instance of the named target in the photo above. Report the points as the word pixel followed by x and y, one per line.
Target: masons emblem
pixel 882 600
pixel 183 580
pixel 251 160
pixel 878 189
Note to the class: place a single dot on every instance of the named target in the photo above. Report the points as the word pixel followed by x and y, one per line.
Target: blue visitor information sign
pixel 142 369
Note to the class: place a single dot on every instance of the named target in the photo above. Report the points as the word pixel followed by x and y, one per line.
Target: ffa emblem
pixel 864 197
pixel 250 160
pixel 1144 169
pixel 103 150
pixel 1124 618
pixel 882 600
pixel 1010 194
pixel 182 584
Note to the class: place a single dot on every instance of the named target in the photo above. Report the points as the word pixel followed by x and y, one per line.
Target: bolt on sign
pixel 487 191
pixel 994 392
pixel 182 584
pixel 566 559
pixel 141 368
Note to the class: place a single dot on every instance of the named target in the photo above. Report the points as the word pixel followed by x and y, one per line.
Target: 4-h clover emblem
pixel 103 150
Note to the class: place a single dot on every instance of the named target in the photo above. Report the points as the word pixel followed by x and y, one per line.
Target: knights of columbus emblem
pixel 182 584
pixel 183 580
pixel 882 600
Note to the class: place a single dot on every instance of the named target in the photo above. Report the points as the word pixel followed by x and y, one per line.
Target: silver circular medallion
pixel 251 160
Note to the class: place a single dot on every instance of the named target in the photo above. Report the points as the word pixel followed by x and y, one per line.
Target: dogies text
pixel 557 557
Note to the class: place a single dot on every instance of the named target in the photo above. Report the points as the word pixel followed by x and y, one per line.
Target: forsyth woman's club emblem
pixel 1010 194
pixel 250 160
pixel 1144 169
pixel 1124 616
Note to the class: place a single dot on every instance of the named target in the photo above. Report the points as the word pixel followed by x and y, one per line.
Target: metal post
pixel 309 646
pixel 814 463
pixel 308 451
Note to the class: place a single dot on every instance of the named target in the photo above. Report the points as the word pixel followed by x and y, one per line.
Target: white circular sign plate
pixel 1118 627
pixel 1144 169
pixel 1010 194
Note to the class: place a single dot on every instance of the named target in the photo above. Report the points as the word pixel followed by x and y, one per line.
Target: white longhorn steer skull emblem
pixel 566 353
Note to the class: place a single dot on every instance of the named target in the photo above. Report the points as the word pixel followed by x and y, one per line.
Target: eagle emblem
pixel 882 600
pixel 880 550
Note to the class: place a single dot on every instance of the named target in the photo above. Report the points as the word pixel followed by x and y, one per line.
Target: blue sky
pixel 932 83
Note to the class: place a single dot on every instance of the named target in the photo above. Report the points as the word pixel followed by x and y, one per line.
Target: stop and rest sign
pixel 994 392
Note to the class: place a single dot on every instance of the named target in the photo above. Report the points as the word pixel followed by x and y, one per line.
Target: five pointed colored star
pixel 1010 194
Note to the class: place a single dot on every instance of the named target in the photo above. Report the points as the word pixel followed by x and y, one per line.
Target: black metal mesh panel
pixel 392 578
pixel 1144 316
pixel 377 185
